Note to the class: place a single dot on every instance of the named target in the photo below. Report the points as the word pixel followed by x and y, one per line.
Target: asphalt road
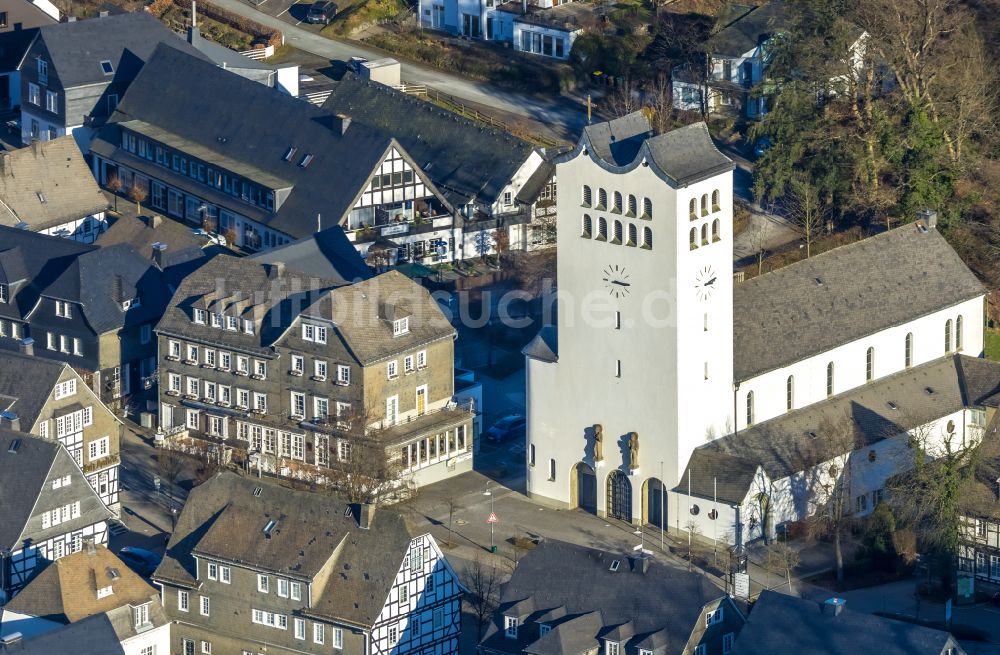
pixel 565 115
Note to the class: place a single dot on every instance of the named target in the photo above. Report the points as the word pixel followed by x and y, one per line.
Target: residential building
pixel 979 530
pixel 205 145
pixel 93 636
pixel 47 187
pixel 74 73
pixel 254 566
pixel 93 308
pixel 48 509
pixel 19 15
pixel 736 65
pixel 494 179
pixel 91 582
pixel 50 400
pixel 549 605
pixel 703 356
pixel 13 48
pixel 291 370
pixel 779 623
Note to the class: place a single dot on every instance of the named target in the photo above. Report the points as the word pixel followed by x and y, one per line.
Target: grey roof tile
pixel 30 380
pixel 545 345
pixel 845 294
pixel 750 27
pixel 327 254
pixel 92 636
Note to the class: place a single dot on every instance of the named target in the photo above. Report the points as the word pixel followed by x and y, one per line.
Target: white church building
pixel 659 364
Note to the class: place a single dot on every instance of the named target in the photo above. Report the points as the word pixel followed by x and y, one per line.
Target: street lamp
pixel 493 546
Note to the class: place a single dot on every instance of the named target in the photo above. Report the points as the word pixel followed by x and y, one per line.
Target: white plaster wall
pixel 158 638
pixel 288 80
pixel 850 361
pixel 568 37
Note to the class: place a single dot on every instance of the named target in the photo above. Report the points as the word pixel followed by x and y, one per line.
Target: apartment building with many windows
pixel 254 567
pixel 290 371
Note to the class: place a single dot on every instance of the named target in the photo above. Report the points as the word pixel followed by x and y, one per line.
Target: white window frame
pixel 183 601
pixel 263 583
pixel 205 606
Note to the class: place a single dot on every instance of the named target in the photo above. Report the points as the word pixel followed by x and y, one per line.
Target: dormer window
pixel 611 648
pixel 544 629
pixel 248 326
pixel 315 333
pixel 63 309
pixel 216 320
pixel 713 617
pixel 130 303
pixel 199 316
pixel 400 326
pixel 140 615
pixel 104 592
pixel 510 627
pixel 232 323
pixel 4 293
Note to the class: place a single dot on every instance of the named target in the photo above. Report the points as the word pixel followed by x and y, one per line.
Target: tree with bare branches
pixel 484 578
pixel 805 210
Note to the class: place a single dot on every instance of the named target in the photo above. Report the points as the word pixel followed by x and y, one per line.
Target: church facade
pixel 656 354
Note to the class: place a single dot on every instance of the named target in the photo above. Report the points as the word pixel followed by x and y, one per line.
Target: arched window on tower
pixel 693 209
pixel 602 199
pixel 587 197
pixel 633 205
pixel 647 208
pixel 958 333
pixel 749 408
pixel 602 228
pixel 829 379
pixel 633 235
pixel 908 350
pixel 704 234
pixel 617 208
pixel 870 365
pixel 715 200
pixel 647 237
pixel 790 393
pixel 618 232
pixel 716 225
pixel 587 226
pixel 694 238
pixel 947 336
pixel 704 204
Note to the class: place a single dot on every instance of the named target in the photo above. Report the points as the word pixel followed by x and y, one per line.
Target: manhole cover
pixel 461 522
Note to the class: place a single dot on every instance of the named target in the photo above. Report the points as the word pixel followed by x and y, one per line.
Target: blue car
pixel 509 427
pixel 140 560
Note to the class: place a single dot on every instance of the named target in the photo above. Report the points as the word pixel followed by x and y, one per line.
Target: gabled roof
pixel 545 345
pixel 795 442
pixel 234 122
pixel 751 27
pixel 466 159
pixel 29 381
pixel 126 40
pixel 593 601
pixel 845 294
pixel 66 590
pixel 14 46
pixel 47 184
pixel 683 156
pixel 23 489
pixel 225 518
pixel 184 251
pixel 92 636
pixel 780 623
pixel 327 254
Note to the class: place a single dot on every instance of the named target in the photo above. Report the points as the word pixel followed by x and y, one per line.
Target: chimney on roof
pixel 365 514
pixel 11 639
pixel 34 146
pixel 5 164
pixel 276 270
pixel 10 421
pixel 88 545
pixel 928 217
pixel 27 346
pixel 158 249
pixel 153 221
pixel 345 122
pixel 834 606
pixel 640 563
pixel 116 288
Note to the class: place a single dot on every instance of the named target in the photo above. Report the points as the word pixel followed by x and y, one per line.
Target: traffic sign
pixel 493 518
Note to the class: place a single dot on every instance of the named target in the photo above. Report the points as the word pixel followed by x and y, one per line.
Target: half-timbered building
pixel 255 567
pixel 48 507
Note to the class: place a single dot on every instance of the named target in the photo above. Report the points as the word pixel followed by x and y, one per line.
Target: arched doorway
pixel 619 497
pixel 654 503
pixel 583 489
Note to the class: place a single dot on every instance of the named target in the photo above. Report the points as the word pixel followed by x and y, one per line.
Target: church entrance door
pixel 586 488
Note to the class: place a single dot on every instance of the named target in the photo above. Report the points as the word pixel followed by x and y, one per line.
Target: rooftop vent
pixel 811 434
pixel 892 405
pixel 269 528
pixel 113 573
pixel 929 391
pixel 614 565
pixel 221 139
pixel 819 281
pixel 12 422
pixel 256 491
pixel 834 606
pixel 306 160
pixel 290 153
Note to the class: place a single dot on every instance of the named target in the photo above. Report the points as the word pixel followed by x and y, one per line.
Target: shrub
pixel 878 531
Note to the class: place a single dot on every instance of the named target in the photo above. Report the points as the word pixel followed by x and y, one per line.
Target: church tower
pixel 638 370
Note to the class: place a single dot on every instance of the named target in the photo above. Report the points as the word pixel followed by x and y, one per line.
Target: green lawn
pixel 993 344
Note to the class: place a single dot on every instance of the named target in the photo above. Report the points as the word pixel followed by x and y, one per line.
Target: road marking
pixel 284 10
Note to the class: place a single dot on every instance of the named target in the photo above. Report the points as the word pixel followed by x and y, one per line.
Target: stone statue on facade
pixel 598 442
pixel 633 447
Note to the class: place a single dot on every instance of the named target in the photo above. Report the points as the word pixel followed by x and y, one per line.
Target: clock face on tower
pixel 704 283
pixel 616 281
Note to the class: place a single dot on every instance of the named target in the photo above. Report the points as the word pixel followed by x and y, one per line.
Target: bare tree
pixel 658 98
pixel 114 184
pixel 170 465
pixel 693 532
pixel 484 579
pixel 378 258
pixel 757 235
pixel 624 99
pixel 501 244
pixel 781 558
pixel 804 209
pixel 137 193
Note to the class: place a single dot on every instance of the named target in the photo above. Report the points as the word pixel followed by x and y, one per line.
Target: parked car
pixel 763 145
pixel 509 427
pixel 140 560
pixel 322 11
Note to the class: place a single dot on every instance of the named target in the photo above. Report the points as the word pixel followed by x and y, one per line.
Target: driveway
pixel 563 114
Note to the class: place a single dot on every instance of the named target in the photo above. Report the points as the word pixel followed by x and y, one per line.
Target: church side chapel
pixel 668 394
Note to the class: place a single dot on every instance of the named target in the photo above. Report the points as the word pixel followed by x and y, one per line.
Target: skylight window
pixel 614 565
pixel 107 67
pixel 270 528
pixel 256 491
pixel 893 405
pixel 41 197
pixel 306 160
pixel 290 153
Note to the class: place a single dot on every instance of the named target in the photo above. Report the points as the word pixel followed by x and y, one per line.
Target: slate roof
pixel 185 251
pixel 30 380
pixel 223 519
pixel 845 294
pixel 67 270
pixel 23 485
pixel 751 28
pixel 545 345
pixel 264 293
pixel 465 159
pixel 327 254
pixel 233 122
pixel 684 155
pixel 66 590
pixel 14 46
pixel 47 184
pixel 93 636
pixel 126 40
pixel 785 445
pixel 780 623
pixel 592 600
